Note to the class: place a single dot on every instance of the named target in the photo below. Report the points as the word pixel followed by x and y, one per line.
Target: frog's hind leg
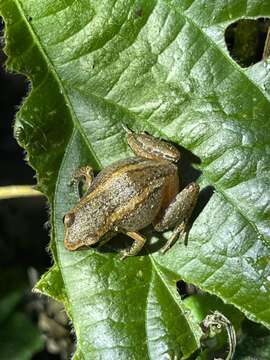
pixel 85 175
pixel 137 245
pixel 148 147
pixel 178 214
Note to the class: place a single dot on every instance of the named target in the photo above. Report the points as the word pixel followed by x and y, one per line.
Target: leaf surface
pixel 161 67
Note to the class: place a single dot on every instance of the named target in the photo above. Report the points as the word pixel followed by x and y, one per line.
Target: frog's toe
pixel 178 232
pixel 124 255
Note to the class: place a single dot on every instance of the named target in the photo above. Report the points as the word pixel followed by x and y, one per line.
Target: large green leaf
pixel 159 66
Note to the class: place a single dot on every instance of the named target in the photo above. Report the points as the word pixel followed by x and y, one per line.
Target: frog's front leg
pixel 137 245
pixel 178 213
pixel 84 174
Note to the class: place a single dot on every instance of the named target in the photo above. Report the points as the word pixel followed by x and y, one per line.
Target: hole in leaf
pixel 248 41
pixel 184 289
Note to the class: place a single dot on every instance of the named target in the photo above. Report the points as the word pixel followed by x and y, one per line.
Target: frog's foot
pixel 148 147
pixel 136 247
pixel 85 175
pixel 179 231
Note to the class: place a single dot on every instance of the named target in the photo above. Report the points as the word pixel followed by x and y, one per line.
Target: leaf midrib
pixel 158 271
pixel 70 304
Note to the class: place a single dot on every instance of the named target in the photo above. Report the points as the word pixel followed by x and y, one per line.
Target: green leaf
pixel 162 67
pixel 51 284
pixel 19 339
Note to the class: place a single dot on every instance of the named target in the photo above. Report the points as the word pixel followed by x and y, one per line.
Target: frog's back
pixel 124 193
pixel 109 172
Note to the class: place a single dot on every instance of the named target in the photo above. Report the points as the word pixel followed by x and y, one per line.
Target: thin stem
pixel 213 323
pixel 16 191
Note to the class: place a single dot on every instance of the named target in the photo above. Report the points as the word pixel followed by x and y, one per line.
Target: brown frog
pixel 131 194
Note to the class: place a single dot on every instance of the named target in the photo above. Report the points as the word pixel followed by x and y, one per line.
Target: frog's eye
pixel 68 219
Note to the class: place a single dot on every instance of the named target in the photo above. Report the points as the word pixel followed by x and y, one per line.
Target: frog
pixel 129 195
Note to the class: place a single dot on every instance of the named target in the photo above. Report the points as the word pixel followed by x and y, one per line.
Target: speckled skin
pixel 130 195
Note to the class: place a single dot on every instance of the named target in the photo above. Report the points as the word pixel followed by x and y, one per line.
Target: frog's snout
pixel 73 244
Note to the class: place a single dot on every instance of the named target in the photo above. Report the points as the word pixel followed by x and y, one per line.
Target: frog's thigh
pixel 137 245
pixel 148 147
pixel 180 208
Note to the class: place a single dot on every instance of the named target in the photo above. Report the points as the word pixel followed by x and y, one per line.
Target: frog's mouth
pixel 70 243
pixel 74 245
pixel 71 246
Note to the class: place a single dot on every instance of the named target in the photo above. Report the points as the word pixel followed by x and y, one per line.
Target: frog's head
pixel 76 233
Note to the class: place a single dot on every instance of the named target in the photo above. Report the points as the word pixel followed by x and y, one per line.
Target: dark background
pixel 23 235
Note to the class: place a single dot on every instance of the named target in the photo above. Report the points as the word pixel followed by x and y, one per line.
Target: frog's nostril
pixel 68 219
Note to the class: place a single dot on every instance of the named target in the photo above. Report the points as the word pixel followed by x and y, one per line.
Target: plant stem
pixel 16 191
